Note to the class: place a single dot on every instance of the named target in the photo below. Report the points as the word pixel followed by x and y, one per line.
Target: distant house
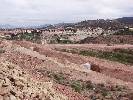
pixel 130 29
pixel 29 31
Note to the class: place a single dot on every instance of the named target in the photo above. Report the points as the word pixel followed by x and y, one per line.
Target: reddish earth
pixel 45 57
pixel 113 69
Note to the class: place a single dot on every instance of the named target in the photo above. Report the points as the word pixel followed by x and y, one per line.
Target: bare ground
pixel 32 57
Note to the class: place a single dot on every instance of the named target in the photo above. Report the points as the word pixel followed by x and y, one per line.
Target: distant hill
pixel 6 26
pixel 125 20
pixel 102 23
pixel 64 25
pixel 105 24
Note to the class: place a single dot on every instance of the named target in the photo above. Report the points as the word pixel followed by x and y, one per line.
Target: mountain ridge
pixel 91 23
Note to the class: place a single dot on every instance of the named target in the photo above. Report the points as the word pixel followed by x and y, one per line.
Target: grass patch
pixel 120 55
pixel 77 86
pixel 59 78
pixel 97 91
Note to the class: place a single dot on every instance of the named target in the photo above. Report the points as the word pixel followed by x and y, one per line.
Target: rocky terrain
pixel 31 71
pixel 17 84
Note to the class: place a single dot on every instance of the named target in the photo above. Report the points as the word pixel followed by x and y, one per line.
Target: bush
pixel 34 37
pixel 76 85
pixel 65 42
pixel 124 32
pixel 59 78
pixel 88 85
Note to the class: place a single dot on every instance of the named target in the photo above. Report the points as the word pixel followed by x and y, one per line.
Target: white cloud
pixel 54 11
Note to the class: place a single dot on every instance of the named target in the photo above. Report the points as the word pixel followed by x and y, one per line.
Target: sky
pixel 33 12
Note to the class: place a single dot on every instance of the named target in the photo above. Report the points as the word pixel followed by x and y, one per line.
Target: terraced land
pixel 110 77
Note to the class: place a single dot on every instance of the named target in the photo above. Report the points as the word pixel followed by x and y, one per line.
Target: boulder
pixel 12 97
pixel 87 66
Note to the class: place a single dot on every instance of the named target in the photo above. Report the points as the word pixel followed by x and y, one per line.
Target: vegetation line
pixel 120 55
pixel 81 86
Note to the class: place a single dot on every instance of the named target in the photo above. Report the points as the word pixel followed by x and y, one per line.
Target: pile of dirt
pixel 16 84
pixel 112 39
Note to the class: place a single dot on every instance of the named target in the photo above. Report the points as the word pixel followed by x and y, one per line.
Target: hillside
pixel 112 39
pixel 54 73
pixel 106 24
pixel 126 20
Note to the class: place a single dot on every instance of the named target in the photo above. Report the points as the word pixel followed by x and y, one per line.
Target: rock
pixel 1 97
pixel 7 82
pixel 13 92
pixel 1 83
pixel 4 90
pixel 11 79
pixel 32 48
pixel 22 79
pixel 10 67
pixel 19 83
pixel 108 97
pixel 12 97
pixel 87 66
pixel 6 97
pixel 1 76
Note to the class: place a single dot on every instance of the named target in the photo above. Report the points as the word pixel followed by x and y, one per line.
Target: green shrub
pixel 88 85
pixel 76 85
pixel 104 93
pixel 59 78
pixel 65 42
pixel 34 37
pixel 87 53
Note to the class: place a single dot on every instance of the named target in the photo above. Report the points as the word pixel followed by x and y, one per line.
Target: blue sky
pixel 57 11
